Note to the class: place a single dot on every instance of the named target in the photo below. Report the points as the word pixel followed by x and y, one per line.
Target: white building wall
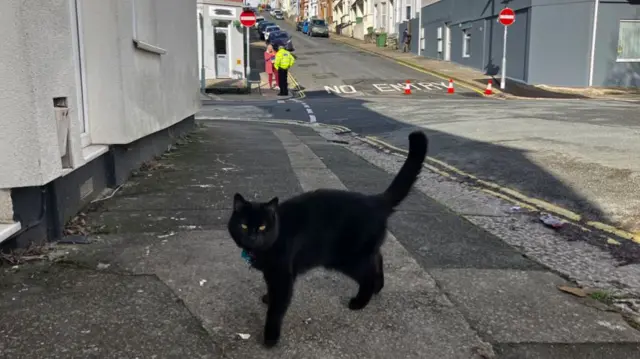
pixel 131 93
pixel 36 65
pixel 146 91
pixel 236 41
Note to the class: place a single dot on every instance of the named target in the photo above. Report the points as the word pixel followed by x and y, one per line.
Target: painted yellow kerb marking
pixel 413 67
pixel 521 199
pixel 301 93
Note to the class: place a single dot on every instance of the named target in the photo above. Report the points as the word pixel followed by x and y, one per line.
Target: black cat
pixel 335 229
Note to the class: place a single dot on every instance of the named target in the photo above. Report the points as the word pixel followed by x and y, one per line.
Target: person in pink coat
pixel 269 57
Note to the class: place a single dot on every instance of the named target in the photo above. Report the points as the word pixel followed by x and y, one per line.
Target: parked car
pixel 318 27
pixel 278 15
pixel 281 38
pixel 261 26
pixel 299 25
pixel 269 29
pixel 259 19
pixel 273 11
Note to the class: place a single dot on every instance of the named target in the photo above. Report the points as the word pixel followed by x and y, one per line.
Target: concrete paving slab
pixel 565 351
pixel 511 306
pixel 438 237
pixel 446 240
pixel 51 311
pixel 410 319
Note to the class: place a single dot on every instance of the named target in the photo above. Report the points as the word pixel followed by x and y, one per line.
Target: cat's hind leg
pixel 363 271
pixel 379 269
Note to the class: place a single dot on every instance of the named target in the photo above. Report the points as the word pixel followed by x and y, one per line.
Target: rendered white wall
pixel 36 65
pixel 131 93
pixel 145 92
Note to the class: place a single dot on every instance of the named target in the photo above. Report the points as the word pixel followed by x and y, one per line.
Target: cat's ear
pixel 272 205
pixel 238 202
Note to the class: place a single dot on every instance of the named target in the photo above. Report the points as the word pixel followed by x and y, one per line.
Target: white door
pixel 447 43
pixel 221 46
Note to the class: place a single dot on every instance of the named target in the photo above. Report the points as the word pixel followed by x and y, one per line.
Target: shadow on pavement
pixel 524 90
pixel 506 166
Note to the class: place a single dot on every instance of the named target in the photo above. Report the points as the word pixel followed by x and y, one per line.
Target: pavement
pixel 162 279
pixel 555 153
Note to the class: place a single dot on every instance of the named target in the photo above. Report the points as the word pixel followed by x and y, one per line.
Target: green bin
pixel 381 40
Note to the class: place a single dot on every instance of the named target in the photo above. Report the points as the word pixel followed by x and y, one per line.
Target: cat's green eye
pixel 244 226
pixel 262 228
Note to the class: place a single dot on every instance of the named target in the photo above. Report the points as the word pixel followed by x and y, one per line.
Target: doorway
pixel 221 47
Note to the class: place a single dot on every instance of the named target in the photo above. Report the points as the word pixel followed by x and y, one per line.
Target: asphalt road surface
pixel 327 68
pixel 579 154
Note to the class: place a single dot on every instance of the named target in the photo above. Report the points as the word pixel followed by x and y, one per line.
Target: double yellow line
pixel 298 88
pixel 510 195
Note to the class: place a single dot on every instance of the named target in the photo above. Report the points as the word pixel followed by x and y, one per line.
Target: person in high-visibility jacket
pixel 284 61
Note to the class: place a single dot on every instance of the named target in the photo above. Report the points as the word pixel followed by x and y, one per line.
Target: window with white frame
pixel 439 42
pixel 629 41
pixel 466 43
pixel 383 16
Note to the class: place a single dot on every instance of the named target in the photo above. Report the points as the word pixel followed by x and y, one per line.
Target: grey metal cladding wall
pixel 476 29
pixel 607 71
pixel 480 19
pixel 457 11
pixel 517 46
pixel 431 41
pixel 415 35
pixel 559 42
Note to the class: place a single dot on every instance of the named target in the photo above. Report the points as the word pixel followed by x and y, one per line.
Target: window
pixel 629 41
pixel 144 21
pixel 408 12
pixel 145 34
pixel 383 23
pixel 466 43
pixel 439 41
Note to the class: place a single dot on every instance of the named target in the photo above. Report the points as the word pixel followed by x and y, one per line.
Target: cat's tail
pixel 404 180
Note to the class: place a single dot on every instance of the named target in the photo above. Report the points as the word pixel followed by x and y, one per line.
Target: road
pixel 577 154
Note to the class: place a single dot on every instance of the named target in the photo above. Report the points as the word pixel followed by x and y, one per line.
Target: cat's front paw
pixel 271 335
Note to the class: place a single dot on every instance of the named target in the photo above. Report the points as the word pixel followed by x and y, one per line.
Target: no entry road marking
pixel 416 86
pixel 386 87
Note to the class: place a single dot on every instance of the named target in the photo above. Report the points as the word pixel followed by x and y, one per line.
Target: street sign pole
pixel 247 19
pixel 247 70
pixel 504 60
pixel 203 81
pixel 506 17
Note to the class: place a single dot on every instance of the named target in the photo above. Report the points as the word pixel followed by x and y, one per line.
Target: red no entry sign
pixel 247 18
pixel 507 16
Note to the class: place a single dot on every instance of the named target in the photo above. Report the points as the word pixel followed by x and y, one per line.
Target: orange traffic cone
pixel 450 88
pixel 488 90
pixel 407 88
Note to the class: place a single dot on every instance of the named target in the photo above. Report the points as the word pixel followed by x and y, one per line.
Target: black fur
pixel 334 229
